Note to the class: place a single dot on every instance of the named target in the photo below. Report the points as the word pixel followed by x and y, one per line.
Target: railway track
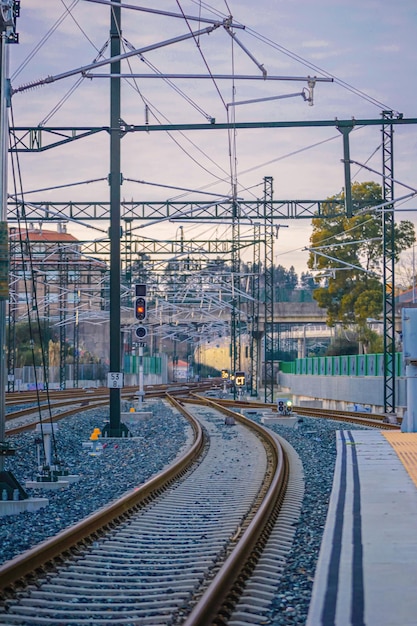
pixel 44 409
pixel 173 551
pixel 177 550
pixel 372 420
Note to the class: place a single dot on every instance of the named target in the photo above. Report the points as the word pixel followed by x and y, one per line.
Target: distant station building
pixel 52 282
pixel 48 269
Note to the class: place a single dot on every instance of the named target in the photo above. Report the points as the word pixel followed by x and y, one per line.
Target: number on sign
pixel 115 380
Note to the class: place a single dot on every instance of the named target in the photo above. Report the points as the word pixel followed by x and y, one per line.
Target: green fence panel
pixel 344 365
pixel 353 365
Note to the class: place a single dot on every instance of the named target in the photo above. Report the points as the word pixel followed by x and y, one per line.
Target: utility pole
pixel 115 428
pixel 235 285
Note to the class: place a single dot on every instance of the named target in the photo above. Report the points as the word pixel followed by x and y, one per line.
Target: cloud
pixel 349 43
pixel 316 44
pixel 389 48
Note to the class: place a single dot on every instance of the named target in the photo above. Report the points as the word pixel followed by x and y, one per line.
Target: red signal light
pixel 140 309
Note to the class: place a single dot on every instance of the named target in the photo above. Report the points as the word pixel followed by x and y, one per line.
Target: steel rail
pixel 88 402
pixel 216 604
pixel 20 397
pixel 373 420
pixel 43 555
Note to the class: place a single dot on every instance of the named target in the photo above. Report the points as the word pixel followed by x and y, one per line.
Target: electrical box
pixel 409 331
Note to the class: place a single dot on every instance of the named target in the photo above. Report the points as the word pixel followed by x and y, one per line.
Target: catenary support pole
pixel 115 427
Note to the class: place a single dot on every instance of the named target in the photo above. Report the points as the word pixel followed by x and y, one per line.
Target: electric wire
pixel 26 256
pixel 72 90
pixel 279 158
pixel 203 57
pixel 76 22
pixel 310 65
pixel 175 88
pixel 303 61
pixel 155 112
pixel 43 41
pixel 68 10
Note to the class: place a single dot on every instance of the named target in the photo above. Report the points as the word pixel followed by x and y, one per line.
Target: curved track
pixel 202 543
pixel 372 420
pixel 171 552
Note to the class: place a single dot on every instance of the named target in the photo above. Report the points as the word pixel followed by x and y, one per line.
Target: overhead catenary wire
pixel 200 4
pixel 72 90
pixel 152 109
pixel 26 253
pixel 202 56
pixel 44 39
pixel 296 57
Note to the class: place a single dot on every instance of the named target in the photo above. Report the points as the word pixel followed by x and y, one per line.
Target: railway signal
pixel 140 304
pixel 240 379
pixel 140 309
pixel 141 332
pixel 140 291
pixel 284 406
pixel 225 378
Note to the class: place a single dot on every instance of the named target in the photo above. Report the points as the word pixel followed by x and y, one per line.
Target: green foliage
pixel 373 342
pixel 343 345
pixel 351 342
pixel 206 371
pixel 350 253
pixel 284 278
pixel 28 341
pixel 28 344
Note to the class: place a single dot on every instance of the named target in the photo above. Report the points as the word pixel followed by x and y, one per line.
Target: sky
pixel 367 46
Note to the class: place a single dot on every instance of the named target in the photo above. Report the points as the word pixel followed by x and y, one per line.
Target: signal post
pixel 141 332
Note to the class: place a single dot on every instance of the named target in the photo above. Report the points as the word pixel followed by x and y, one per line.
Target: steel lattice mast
pixel 255 334
pixel 388 224
pixel 269 291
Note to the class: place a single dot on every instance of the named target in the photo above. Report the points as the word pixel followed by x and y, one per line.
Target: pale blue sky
pixel 367 45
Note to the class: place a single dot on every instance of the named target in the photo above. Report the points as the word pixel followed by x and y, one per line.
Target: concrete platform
pixel 367 569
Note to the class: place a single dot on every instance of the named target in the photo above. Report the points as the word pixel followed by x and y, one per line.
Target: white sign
pixel 115 380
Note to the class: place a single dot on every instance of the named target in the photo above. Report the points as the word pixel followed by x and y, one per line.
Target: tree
pixel 350 255
pixel 27 343
pixel 307 281
pixel 286 279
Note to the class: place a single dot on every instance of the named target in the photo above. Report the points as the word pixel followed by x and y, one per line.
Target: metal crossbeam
pixel 35 139
pixel 172 212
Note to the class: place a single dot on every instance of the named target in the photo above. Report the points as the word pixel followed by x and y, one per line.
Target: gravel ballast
pixel 315 443
pixel 121 466
pixel 125 465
